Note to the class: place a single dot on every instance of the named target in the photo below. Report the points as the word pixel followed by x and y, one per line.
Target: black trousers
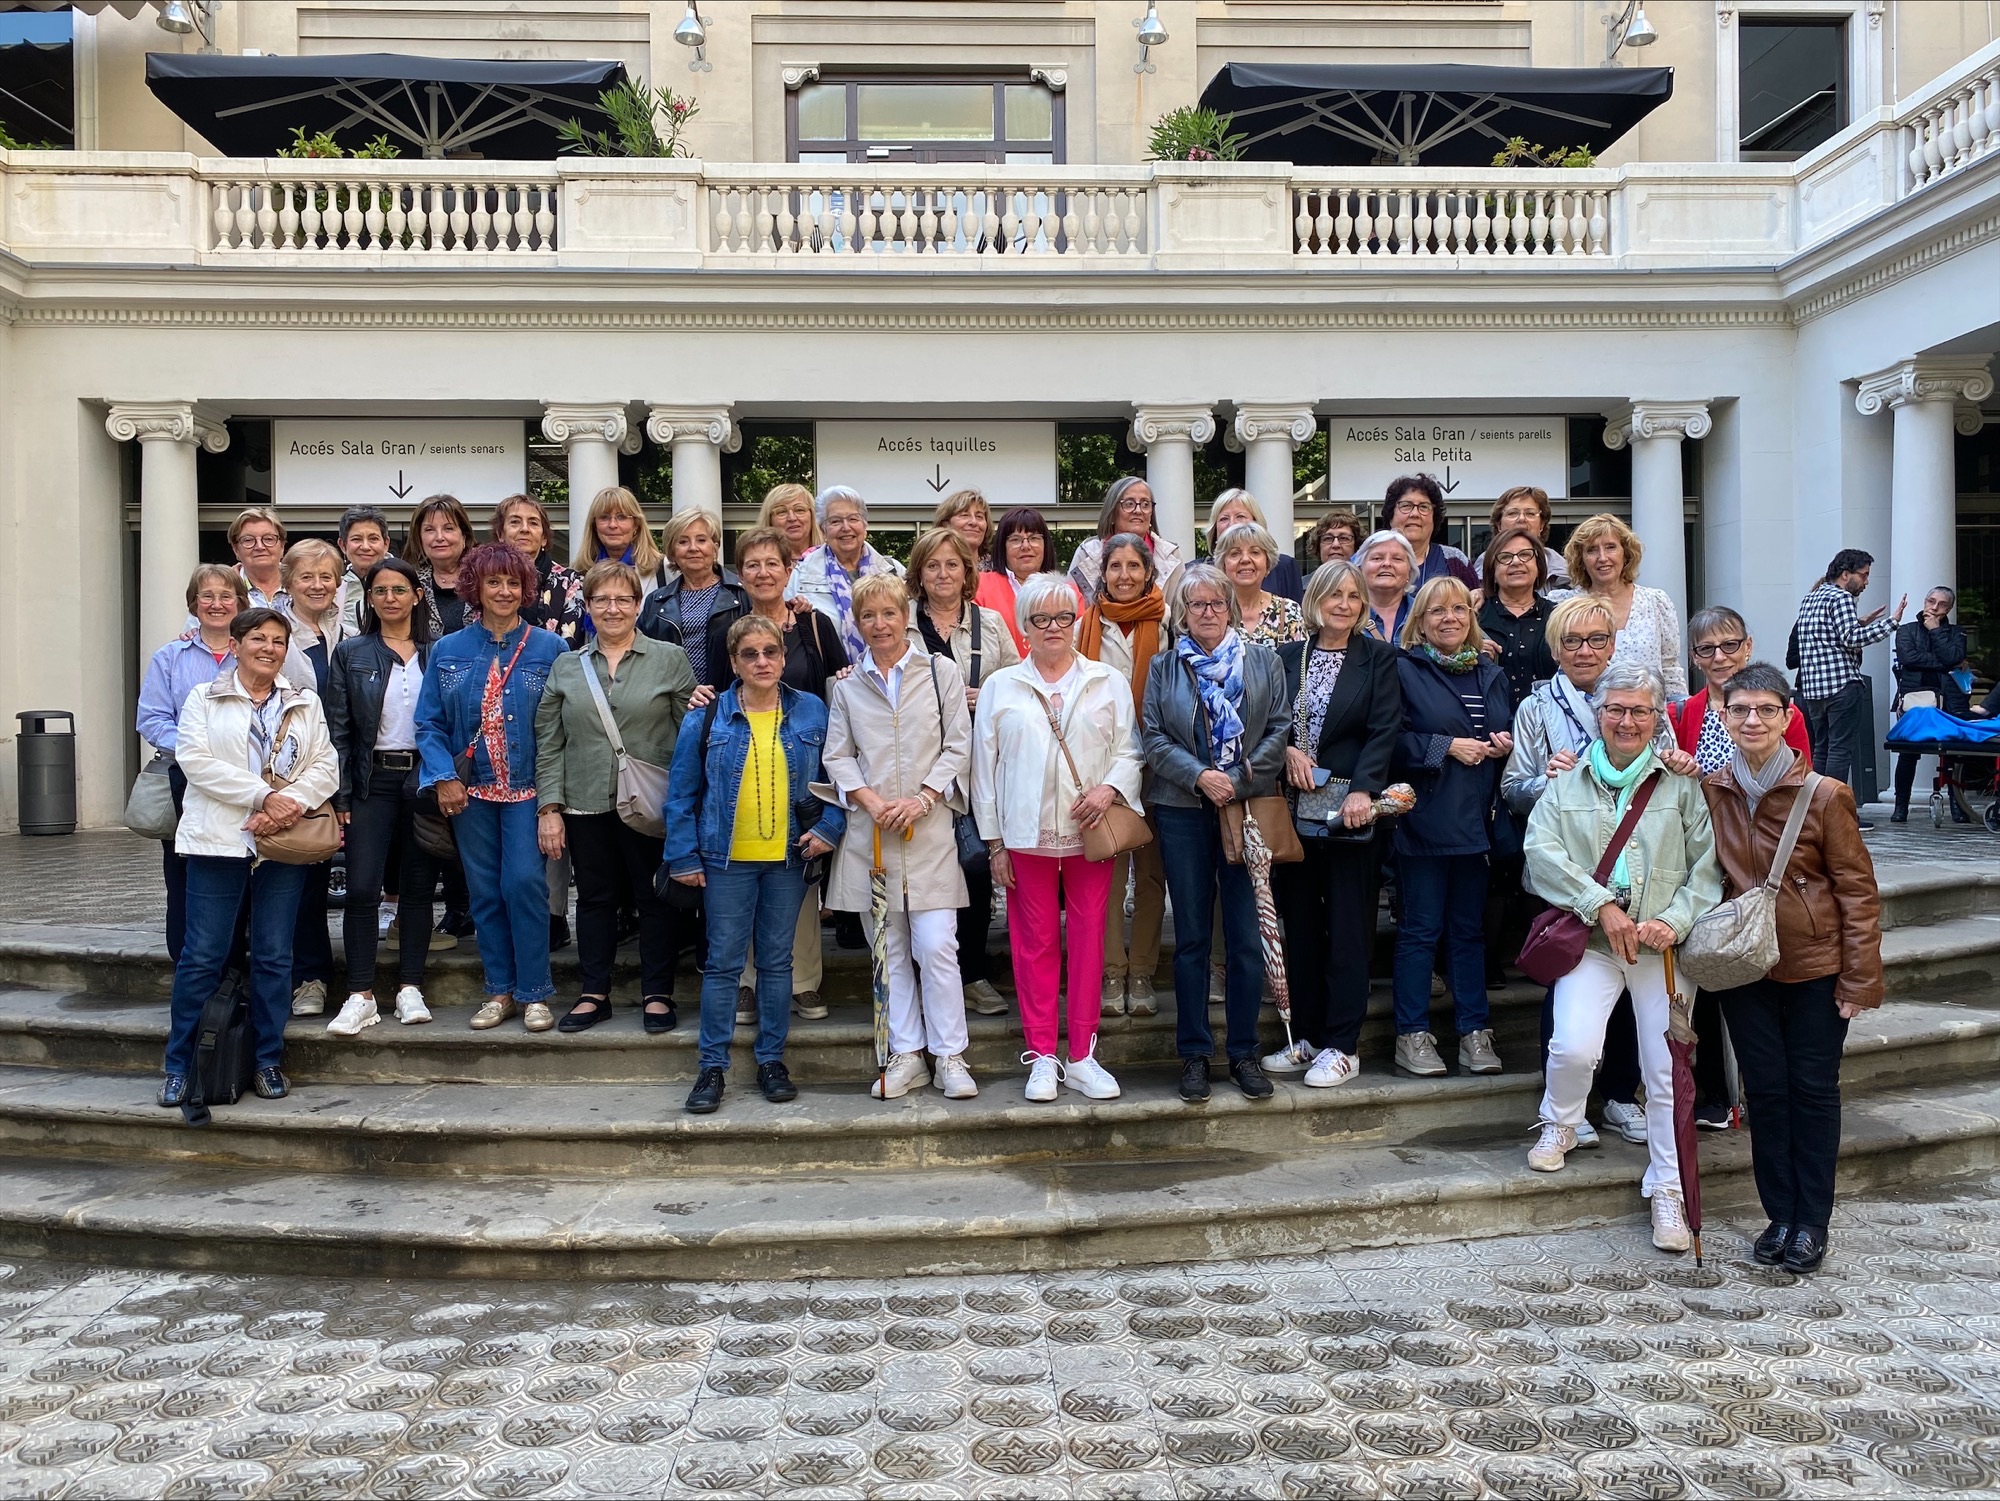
pixel 975 927
pixel 173 867
pixel 613 865
pixel 1830 726
pixel 312 945
pixel 1788 1040
pixel 1327 905
pixel 378 826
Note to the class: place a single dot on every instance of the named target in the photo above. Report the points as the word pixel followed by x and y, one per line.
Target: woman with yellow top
pixel 742 824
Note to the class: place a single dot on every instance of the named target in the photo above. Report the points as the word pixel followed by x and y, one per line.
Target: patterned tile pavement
pixel 1573 1364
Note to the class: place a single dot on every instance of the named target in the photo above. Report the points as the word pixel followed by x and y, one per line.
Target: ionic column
pixel 699 436
pixel 593 435
pixel 168 432
pixel 1269 436
pixel 1923 486
pixel 1166 435
pixel 1655 429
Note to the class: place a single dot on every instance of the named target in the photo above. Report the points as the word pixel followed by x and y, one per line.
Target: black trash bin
pixel 46 760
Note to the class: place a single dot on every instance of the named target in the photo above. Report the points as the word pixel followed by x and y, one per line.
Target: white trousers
pixel 1583 1002
pixel 934 1022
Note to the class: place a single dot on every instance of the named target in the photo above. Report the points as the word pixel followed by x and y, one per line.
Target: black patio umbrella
pixel 1429 114
pixel 440 106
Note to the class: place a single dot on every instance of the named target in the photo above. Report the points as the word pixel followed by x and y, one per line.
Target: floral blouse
pixel 1279 622
pixel 493 730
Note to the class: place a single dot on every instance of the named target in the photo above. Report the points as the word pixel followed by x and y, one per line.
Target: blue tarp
pixel 1925 727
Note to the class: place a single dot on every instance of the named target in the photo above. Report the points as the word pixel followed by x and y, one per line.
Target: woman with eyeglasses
pixel 371 713
pixel 1722 646
pixel 1128 507
pixel 1790 1028
pixel 1032 803
pixel 1334 537
pixel 1414 506
pixel 644 685
pixel 1526 508
pixel 1514 617
pixel 825 577
pixel 1022 548
pixel 788 509
pixel 257 537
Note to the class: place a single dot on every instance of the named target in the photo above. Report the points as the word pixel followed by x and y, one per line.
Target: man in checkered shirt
pixel 1831 637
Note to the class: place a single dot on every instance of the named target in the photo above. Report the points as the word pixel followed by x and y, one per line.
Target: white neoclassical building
pixel 922 241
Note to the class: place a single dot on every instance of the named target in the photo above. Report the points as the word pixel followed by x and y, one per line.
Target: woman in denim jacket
pixel 476 748
pixel 742 823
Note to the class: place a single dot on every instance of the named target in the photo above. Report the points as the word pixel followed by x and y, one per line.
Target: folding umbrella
pixel 878 953
pixel 1257 861
pixel 1687 1139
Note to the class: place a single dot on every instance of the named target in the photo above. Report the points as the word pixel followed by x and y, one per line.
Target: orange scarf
pixel 1144 614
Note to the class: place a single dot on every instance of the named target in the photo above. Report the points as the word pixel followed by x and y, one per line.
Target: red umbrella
pixel 1680 1043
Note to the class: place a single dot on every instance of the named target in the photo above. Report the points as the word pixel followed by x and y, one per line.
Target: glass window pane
pixel 1031 112
pixel 1790 78
pixel 924 112
pixel 823 112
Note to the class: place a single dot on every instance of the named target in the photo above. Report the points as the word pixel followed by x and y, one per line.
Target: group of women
pixel 706 750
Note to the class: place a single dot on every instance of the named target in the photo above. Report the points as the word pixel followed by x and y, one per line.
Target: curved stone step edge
pixel 837 1225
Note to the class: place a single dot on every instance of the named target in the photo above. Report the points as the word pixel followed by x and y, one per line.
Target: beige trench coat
pixel 896 750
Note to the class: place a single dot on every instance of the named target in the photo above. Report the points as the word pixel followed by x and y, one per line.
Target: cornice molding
pixel 717 425
pixel 1253 420
pixel 1656 419
pixel 1929 378
pixel 166 421
pixel 1965 237
pixel 567 422
pixel 1152 423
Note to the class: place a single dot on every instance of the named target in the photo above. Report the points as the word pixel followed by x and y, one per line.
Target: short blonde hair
pixel 1215 509
pixel 1596 529
pixel 1572 612
pixel 791 494
pixel 881 588
pixel 219 573
pixel 256 513
pixel 611 571
pixel 942 539
pixel 957 504
pixel 683 522
pixel 1441 589
pixel 616 500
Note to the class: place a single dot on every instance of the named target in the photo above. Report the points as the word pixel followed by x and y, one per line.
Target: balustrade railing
pixel 1354 221
pixel 1955 130
pixel 436 214
pixel 969 217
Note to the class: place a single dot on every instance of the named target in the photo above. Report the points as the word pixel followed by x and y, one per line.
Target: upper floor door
pixel 925 119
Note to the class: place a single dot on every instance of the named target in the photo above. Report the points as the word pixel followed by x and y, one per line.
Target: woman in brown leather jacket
pixel 1789 1027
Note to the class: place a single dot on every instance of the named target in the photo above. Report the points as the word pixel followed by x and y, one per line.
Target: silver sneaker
pixel 1417 1053
pixel 1629 1121
pixel 310 999
pixel 1294 1058
pixel 1475 1053
pixel 1139 998
pixel 984 999
pixel 1670 1221
pixel 1331 1069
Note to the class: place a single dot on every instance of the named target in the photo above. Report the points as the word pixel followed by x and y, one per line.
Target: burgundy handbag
pixel 1558 937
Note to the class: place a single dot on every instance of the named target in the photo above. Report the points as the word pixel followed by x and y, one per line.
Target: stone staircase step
pixel 1958 953
pixel 1914 895
pixel 1079 1211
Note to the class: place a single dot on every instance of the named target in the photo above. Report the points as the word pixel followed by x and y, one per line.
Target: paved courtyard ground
pixel 1581 1363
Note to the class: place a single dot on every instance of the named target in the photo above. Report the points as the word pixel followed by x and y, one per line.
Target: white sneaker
pixel 1114 995
pixel 1586 1137
pixel 1332 1068
pixel 1043 1077
pixel 310 999
pixel 1670 1221
pixel 983 998
pixel 1088 1077
pixel 1556 1143
pixel 359 1012
pixel 954 1078
pixel 1139 999
pixel 1290 1059
pixel 1629 1121
pixel 906 1072
pixel 410 1008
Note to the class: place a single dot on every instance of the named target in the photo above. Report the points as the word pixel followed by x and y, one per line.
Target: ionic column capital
pixel 1956 379
pixel 166 422
pixel 1656 419
pixel 1294 421
pixel 717 425
pixel 1152 423
pixel 1968 420
pixel 567 422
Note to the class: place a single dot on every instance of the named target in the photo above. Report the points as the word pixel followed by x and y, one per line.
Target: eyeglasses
pixel 1769 713
pixel 1413 508
pixel 391 591
pixel 1624 712
pixel 1133 507
pixel 761 654
pixel 1515 559
pixel 1727 648
pixel 215 599
pixel 612 602
pixel 1598 641
pixel 1060 622
pixel 1208 607
pixel 258 541
pixel 1445 612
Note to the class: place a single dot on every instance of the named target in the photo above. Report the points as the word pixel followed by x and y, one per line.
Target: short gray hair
pixel 832 493
pixel 1626 677
pixel 1248 534
pixel 1035 596
pixel 1385 538
pixel 1758 677
pixel 1203 576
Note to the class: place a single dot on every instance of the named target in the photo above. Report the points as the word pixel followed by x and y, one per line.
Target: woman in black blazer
pixel 1347 707
pixel 371 700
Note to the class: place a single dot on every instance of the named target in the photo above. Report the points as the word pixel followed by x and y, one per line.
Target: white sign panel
pixel 391 461
pixel 1473 458
pixel 914 465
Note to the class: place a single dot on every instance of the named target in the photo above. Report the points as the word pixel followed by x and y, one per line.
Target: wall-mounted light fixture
pixel 184 16
pixel 1151 35
pixel 691 33
pixel 1629 28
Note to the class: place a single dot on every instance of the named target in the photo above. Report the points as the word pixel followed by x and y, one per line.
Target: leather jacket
pixel 356 681
pixel 1829 911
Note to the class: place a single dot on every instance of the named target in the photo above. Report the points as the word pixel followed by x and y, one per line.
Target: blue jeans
pixel 1191 852
pixel 1444 896
pixel 747 897
pixel 217 886
pixel 507 883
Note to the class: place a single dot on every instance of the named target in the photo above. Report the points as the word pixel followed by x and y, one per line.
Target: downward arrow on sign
pixel 401 488
pixel 939 482
pixel 1449 484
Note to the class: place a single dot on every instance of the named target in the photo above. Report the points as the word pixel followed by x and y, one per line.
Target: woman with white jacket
pixel 1032 804
pixel 233 731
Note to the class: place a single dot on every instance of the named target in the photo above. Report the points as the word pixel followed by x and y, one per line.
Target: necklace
pixel 763 771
